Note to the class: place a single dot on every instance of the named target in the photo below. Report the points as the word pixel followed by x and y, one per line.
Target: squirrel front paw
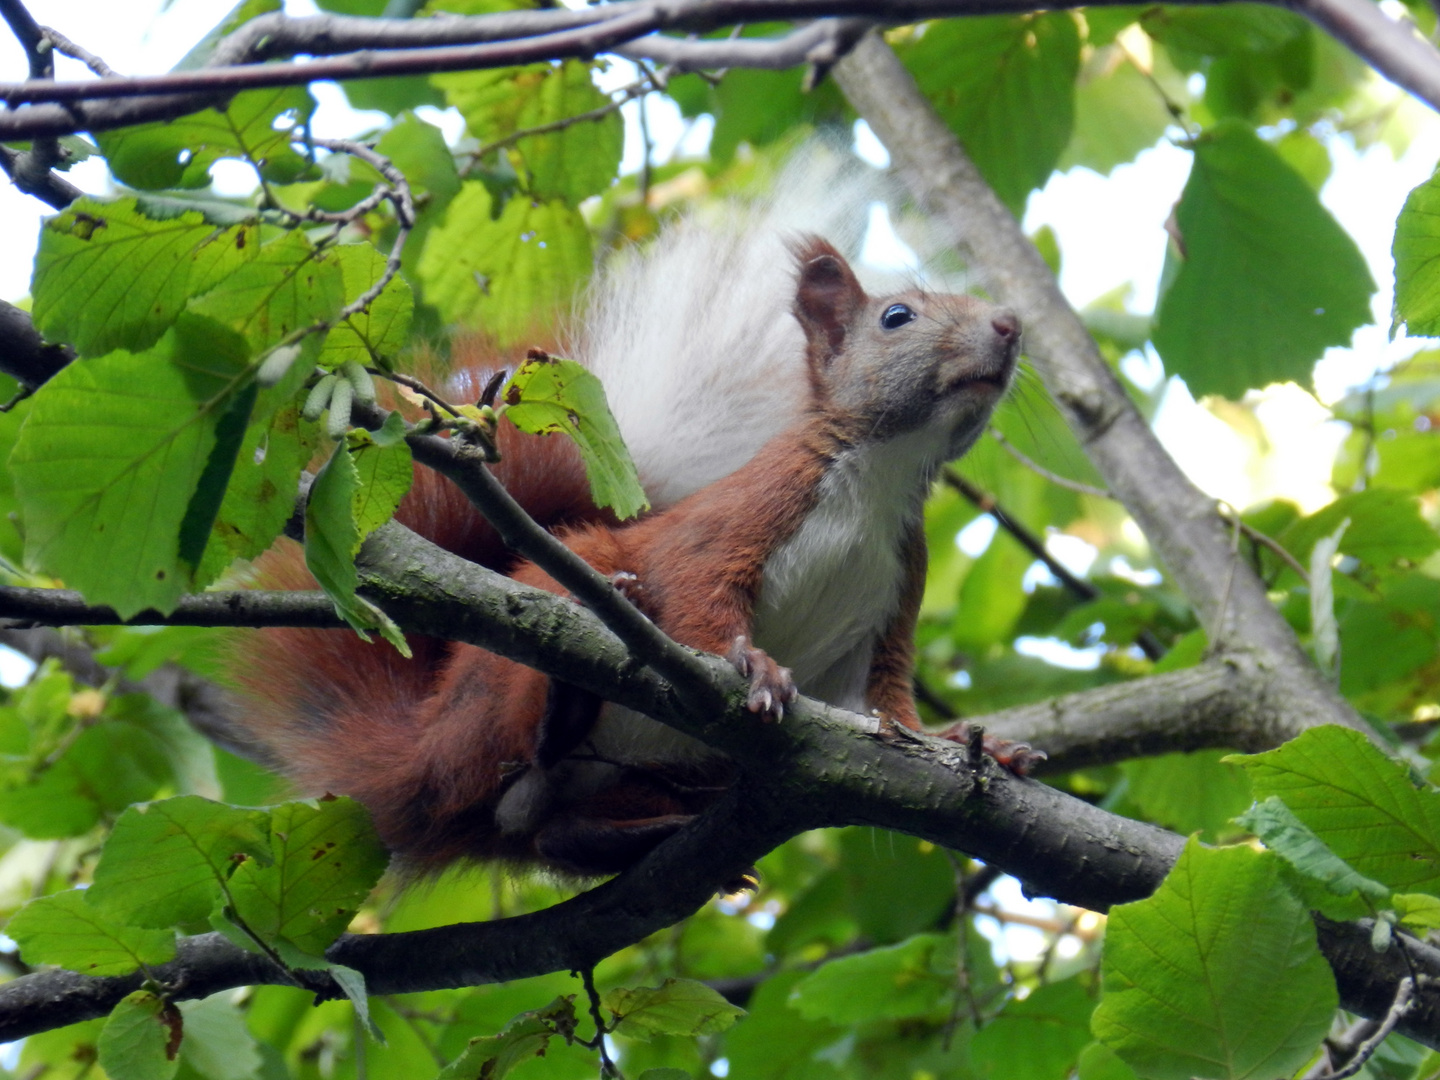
pixel 771 687
pixel 1017 757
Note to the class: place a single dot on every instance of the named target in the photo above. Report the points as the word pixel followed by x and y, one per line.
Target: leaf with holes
pixel 556 395
pixel 325 860
pixel 505 275
pixel 108 276
pixel 258 126
pixel 573 163
pixel 141 1039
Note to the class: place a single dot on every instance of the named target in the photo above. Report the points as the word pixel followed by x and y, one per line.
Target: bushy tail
pixel 693 337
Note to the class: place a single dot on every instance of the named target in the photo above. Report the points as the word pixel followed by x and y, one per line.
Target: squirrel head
pixel 904 362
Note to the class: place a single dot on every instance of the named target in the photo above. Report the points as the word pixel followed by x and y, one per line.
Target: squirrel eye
pixel 896 316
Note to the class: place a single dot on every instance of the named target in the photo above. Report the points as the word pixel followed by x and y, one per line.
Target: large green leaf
pixel 1361 804
pixel 992 77
pixel 287 286
pixel 217 1043
pixel 1235 28
pixel 63 929
pixel 257 126
pixel 505 275
pixel 166 863
pixel 108 276
pixel 1187 792
pixel 572 163
pixel 1216 975
pixel 1268 278
pixel 1286 835
pixel 326 859
pixel 112 455
pixel 1386 528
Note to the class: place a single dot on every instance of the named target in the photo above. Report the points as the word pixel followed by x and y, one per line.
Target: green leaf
pixel 554 395
pixel 261 495
pixel 570 164
pixel 1268 278
pixel 1118 113
pixel 258 127
pixel 1417 260
pixel 217 1043
pixel 110 456
pixel 1287 836
pixel 675 1007
pixel 167 863
pixel 332 537
pixel 777 1043
pixel 287 286
pixel 1039 1036
pixel 1216 975
pixel 141 1039
pixel 108 276
pixel 1099 1062
pixel 1418 911
pixel 382 463
pixel 525 1037
pixel 1386 529
pixel 504 275
pixel 1238 28
pixel 1188 792
pixel 990 77
pixel 64 929
pixel 327 858
pixel 895 981
pixel 375 335
pixel 1358 802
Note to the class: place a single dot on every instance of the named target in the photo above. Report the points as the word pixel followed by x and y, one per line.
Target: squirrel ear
pixel 827 297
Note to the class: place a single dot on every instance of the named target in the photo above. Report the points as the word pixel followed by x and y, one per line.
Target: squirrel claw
pixel 771 687
pixel 627 585
pixel 1016 757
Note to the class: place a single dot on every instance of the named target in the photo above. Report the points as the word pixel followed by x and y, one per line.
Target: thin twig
pixel 1231 515
pixel 66 47
pixel 607 1067
pixel 1055 478
pixel 1404 994
pixel 628 93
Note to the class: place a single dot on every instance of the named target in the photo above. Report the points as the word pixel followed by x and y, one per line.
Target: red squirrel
pixel 810 555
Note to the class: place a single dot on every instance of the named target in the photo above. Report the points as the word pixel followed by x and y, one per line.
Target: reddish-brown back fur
pixel 337 714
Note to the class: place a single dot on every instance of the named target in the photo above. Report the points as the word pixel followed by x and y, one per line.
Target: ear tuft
pixel 827 298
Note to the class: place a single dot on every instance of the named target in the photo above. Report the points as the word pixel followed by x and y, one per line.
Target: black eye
pixel 896 316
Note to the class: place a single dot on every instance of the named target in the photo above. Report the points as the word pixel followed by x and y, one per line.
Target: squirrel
pixel 785 531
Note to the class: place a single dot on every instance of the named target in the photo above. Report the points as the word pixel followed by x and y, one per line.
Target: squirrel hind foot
pixel 1015 757
pixel 771 686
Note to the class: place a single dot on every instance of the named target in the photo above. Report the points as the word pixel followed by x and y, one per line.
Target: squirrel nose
pixel 1007 325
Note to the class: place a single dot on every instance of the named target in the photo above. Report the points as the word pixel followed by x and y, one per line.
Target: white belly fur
pixel 830 590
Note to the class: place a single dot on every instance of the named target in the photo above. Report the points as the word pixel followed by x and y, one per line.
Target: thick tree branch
pixel 24 354
pixel 452 43
pixel 1179 520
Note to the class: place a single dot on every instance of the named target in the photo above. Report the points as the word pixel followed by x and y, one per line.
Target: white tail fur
pixel 693 337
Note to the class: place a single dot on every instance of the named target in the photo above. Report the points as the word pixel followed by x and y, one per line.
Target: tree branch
pixel 358 48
